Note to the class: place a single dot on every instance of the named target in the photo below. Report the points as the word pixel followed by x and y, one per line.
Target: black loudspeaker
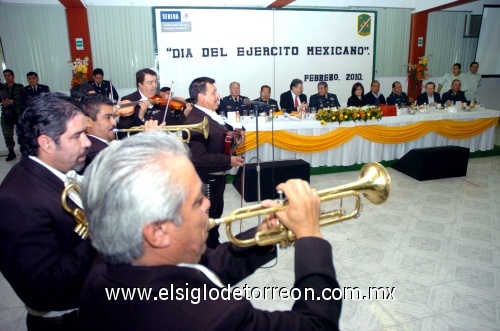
pixel 434 162
pixel 283 171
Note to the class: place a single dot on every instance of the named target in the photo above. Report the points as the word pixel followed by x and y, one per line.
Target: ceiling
pixel 418 5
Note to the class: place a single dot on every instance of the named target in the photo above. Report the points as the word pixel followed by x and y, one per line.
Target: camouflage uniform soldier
pixel 11 110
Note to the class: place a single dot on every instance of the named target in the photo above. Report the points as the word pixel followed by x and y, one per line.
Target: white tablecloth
pixel 360 150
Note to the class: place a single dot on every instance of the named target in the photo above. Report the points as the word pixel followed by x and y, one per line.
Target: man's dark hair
pixel 458 65
pixel 431 83
pixel 97 71
pixel 79 90
pixel 165 89
pixel 295 83
pixel 323 84
pixel 264 86
pixel 32 73
pixel 9 71
pixel 472 63
pixel 199 85
pixel 394 84
pixel 141 74
pixel 92 104
pixel 375 81
pixel 47 114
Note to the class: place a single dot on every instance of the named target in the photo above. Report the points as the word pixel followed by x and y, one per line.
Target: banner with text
pixel 265 47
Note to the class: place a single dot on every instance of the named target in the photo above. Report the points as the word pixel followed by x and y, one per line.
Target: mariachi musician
pixel 208 155
pixel 150 107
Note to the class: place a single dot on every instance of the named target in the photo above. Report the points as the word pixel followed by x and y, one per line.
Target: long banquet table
pixel 350 143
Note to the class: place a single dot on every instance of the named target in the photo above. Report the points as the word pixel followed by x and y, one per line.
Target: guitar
pixel 233 140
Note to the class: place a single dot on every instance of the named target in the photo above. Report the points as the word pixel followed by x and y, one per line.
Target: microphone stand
pixel 256 110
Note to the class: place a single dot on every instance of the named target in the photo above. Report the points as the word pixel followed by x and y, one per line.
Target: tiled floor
pixel 436 242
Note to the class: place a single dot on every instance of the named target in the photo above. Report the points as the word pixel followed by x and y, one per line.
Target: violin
pixel 175 103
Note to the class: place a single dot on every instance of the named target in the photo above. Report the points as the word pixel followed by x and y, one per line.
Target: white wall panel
pixel 122 42
pixel 35 38
pixel 446 44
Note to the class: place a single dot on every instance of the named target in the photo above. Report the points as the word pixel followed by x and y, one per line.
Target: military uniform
pixel 29 92
pixel 229 103
pixel 104 88
pixel 450 95
pixel 271 105
pixel 10 92
pixel 324 101
pixel 398 99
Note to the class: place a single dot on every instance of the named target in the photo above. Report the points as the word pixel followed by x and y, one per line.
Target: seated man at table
pixel 429 97
pixel 323 99
pixel 265 96
pixel 454 94
pixel 398 97
pixel 294 100
pixel 160 246
pixel 374 97
pixel 234 101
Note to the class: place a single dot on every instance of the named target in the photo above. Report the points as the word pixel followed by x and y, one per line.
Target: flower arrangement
pixel 365 113
pixel 79 68
pixel 419 72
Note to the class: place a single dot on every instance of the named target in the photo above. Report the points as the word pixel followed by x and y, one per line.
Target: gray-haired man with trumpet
pixel 159 247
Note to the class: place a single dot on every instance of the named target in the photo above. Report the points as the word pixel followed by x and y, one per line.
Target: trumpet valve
pixel 82 231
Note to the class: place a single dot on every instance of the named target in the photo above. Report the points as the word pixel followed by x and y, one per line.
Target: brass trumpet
pixel 201 127
pixel 82 226
pixel 374 182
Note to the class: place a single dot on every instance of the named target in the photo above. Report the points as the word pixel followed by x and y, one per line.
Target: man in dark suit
pixel 234 101
pixel 323 99
pixel 208 155
pixel 454 94
pixel 160 247
pixel 32 89
pixel 102 86
pixel 429 97
pixel 265 96
pixel 294 99
pixel 374 97
pixel 100 123
pixel 147 87
pixel 41 256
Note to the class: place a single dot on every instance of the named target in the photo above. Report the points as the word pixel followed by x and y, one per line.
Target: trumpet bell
pixel 374 183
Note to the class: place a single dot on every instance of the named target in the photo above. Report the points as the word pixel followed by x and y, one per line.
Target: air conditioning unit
pixel 472 26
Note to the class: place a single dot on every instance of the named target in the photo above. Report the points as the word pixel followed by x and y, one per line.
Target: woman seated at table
pixel 356 99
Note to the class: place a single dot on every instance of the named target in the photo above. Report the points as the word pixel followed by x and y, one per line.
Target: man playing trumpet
pixel 160 246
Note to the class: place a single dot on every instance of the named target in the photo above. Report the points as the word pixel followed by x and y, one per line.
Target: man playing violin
pixel 208 155
pixel 146 80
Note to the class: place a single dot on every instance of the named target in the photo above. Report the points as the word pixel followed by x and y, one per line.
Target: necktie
pixel 296 101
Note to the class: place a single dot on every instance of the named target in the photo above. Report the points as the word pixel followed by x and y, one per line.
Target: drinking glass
pixel 251 112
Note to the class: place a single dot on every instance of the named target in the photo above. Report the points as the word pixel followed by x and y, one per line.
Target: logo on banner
pixel 170 16
pixel 364 25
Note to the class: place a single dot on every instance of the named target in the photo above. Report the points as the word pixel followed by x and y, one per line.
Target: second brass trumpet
pixel 201 127
pixel 374 183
